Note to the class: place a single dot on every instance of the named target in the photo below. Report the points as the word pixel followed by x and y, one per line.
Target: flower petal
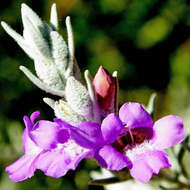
pixel 114 160
pixel 58 162
pixel 134 115
pixel 22 169
pixel 63 123
pixel 29 146
pixel 34 116
pixel 100 160
pixel 111 128
pixel 28 123
pixel 144 165
pixel 169 131
pixel 47 134
pixel 87 135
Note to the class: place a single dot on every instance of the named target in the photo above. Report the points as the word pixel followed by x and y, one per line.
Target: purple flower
pixel 132 140
pixel 48 147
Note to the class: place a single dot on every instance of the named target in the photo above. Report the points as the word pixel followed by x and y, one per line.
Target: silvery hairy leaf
pixel 78 98
pixel 53 59
pixel 64 111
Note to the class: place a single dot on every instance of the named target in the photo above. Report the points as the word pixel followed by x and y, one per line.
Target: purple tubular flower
pixel 47 146
pixel 133 141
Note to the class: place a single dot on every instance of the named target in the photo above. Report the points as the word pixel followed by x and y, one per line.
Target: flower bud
pixel 105 87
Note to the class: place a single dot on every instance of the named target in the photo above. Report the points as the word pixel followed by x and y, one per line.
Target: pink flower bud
pixel 105 87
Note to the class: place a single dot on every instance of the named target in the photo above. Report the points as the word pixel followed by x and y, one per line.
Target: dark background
pixel 147 42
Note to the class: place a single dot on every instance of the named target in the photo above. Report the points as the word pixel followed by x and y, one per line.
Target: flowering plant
pixel 88 123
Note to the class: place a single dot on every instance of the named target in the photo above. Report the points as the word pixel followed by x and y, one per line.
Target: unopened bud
pixel 105 87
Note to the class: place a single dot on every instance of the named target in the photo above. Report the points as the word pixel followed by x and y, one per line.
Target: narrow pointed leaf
pixel 92 94
pixel 31 15
pixel 39 83
pixel 35 39
pixel 19 39
pixel 70 44
pixel 59 52
pixel 151 103
pixel 70 37
pixel 50 102
pixel 53 17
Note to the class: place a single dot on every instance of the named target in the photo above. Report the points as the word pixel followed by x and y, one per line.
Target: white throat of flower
pixel 72 148
pixel 138 149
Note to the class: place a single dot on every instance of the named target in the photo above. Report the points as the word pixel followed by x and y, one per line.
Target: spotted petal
pixel 47 134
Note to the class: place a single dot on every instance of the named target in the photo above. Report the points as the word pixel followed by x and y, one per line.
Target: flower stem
pixel 106 181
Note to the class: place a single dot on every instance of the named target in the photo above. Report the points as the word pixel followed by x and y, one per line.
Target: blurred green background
pixel 146 41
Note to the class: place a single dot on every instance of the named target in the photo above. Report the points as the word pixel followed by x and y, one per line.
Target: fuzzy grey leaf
pixel 40 84
pixel 50 102
pixel 70 37
pixel 19 39
pixel 92 94
pixel 76 71
pixel 34 37
pixel 59 51
pixel 53 17
pixel 48 73
pixel 78 98
pixel 32 16
pixel 65 112
pixel 70 45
